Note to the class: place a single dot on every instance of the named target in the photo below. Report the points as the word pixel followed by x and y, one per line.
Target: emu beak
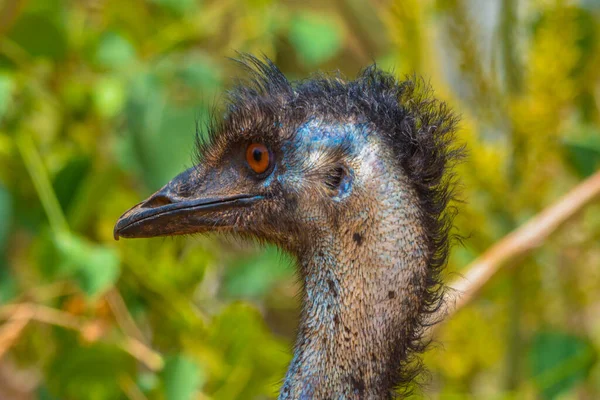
pixel 179 209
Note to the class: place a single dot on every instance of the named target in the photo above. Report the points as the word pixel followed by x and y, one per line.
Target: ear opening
pixel 339 182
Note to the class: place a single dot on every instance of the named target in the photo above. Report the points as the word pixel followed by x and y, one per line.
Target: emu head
pixel 288 161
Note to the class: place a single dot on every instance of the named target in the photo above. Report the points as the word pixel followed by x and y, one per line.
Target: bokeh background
pixel 98 105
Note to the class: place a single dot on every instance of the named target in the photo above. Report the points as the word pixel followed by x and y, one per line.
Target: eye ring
pixel 258 158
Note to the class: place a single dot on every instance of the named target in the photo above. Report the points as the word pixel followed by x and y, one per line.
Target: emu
pixel 353 178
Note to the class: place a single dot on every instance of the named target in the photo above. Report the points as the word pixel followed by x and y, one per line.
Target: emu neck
pixel 363 285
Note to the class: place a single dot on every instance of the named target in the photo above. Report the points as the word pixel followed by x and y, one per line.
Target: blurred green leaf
pixel 6 90
pixel 40 35
pixel 68 180
pixel 6 211
pixel 177 6
pixel 109 96
pixel 76 96
pixel 96 267
pixel 182 378
pixel 162 133
pixel 583 152
pixel 252 277
pixel 147 381
pixel 248 371
pixel 89 373
pixel 559 361
pixel 115 51
pixel 50 7
pixel 44 394
pixel 173 145
pixel 200 72
pixel 162 109
pixel 7 283
pixel 315 37
pixel 587 36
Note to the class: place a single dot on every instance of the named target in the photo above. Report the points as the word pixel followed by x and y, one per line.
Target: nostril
pixel 156 201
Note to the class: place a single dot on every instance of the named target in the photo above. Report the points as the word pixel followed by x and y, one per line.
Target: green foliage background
pixel 98 103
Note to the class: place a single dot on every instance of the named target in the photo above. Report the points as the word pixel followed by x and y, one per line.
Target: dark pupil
pixel 257 155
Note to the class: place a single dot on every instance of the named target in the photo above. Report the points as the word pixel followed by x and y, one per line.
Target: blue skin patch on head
pixel 329 135
pixel 316 135
pixel 332 134
pixel 326 135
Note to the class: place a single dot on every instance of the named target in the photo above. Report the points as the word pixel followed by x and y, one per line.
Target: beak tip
pixel 123 221
pixel 116 232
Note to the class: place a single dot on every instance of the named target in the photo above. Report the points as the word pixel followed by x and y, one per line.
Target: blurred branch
pixel 20 314
pixel 143 353
pixel 122 315
pixel 10 331
pixel 9 13
pixel 135 343
pixel 520 242
pixel 39 313
pixel 130 388
pixel 42 294
pixel 16 382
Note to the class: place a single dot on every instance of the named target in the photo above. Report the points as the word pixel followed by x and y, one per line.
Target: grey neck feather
pixel 362 288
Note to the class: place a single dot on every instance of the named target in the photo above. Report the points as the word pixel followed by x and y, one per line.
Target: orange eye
pixel 258 158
